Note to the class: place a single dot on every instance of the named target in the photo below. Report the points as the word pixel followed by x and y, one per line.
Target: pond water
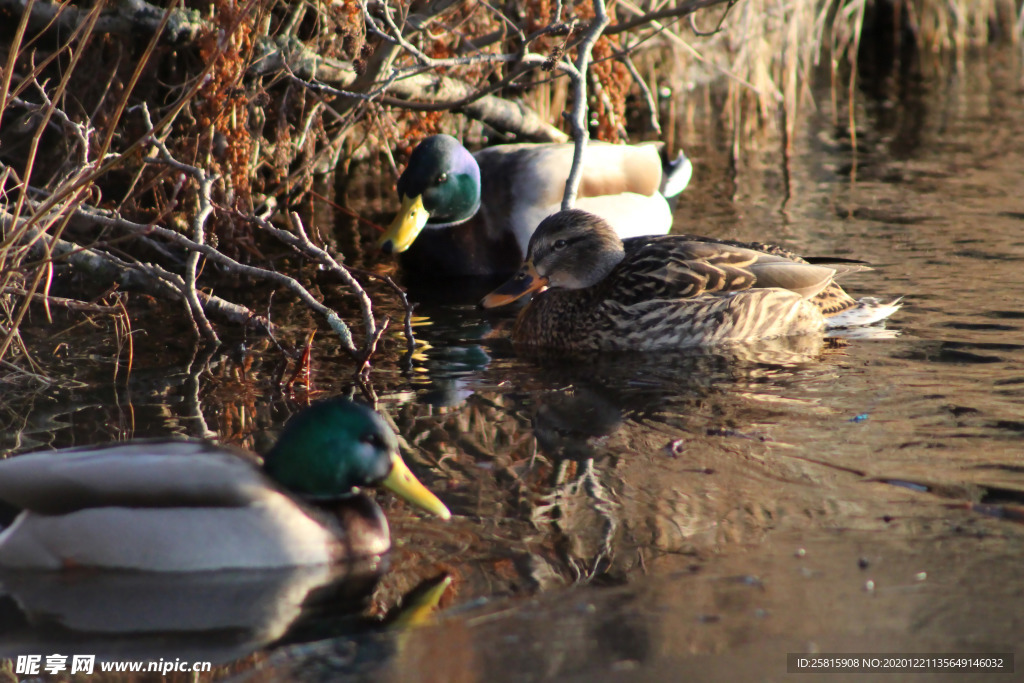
pixel 699 514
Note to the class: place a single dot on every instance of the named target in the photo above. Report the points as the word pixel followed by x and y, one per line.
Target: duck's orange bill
pixel 523 282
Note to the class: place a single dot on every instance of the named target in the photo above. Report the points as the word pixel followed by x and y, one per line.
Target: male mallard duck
pixel 191 505
pixel 519 185
pixel 669 291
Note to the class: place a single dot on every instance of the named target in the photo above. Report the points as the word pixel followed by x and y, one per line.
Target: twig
pixel 95 216
pixel 205 182
pixel 718 26
pixel 320 87
pixel 393 34
pixel 410 339
pixel 645 90
pixel 70 304
pixel 371 347
pixel 680 10
pixel 326 260
pixel 577 117
pixel 146 277
pixel 662 29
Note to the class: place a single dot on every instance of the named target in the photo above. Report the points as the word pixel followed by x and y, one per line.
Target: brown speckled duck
pixel 645 293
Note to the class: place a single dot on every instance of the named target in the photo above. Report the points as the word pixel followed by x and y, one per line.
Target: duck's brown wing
pixel 831 300
pixel 673 268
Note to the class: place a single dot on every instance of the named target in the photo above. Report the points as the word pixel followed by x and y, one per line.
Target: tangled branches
pixel 160 149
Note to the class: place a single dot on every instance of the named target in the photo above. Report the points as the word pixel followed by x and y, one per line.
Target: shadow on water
pixel 646 517
pixel 200 616
pixel 218 617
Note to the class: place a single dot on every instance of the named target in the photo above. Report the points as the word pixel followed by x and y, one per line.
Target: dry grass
pixel 768 52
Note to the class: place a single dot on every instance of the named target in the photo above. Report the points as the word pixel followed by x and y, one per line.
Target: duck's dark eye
pixel 560 244
pixel 372 439
pixel 443 178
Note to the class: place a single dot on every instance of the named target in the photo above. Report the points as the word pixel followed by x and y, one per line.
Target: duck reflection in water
pixel 606 435
pixel 217 617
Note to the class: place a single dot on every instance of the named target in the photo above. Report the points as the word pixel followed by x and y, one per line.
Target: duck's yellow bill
pixel 420 606
pixel 403 230
pixel 522 283
pixel 404 484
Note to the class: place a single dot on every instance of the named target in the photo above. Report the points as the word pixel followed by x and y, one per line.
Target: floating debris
pixel 675 447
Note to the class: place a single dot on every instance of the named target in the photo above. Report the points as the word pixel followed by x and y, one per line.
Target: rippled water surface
pixel 703 514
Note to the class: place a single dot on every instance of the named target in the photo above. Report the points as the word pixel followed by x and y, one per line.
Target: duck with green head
pixel 191 505
pixel 595 291
pixel 466 214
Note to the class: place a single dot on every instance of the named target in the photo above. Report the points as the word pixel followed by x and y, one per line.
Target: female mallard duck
pixel 669 291
pixel 520 185
pixel 190 505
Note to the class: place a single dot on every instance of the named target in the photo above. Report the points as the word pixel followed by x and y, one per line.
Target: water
pixel 638 516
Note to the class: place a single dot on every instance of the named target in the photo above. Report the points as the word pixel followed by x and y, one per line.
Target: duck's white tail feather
pixel 868 311
pixel 676 175
pixel 873 332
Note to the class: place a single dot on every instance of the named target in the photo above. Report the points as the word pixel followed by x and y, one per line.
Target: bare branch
pixel 680 10
pixel 205 182
pixel 144 277
pixel 501 114
pixel 645 90
pixel 70 304
pixel 126 18
pixel 322 257
pixel 578 115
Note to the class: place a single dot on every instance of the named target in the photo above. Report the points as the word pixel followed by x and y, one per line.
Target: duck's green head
pixel 440 187
pixel 570 249
pixel 336 446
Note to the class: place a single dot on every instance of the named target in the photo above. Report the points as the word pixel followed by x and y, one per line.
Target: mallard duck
pixel 490 202
pixel 192 505
pixel 669 291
